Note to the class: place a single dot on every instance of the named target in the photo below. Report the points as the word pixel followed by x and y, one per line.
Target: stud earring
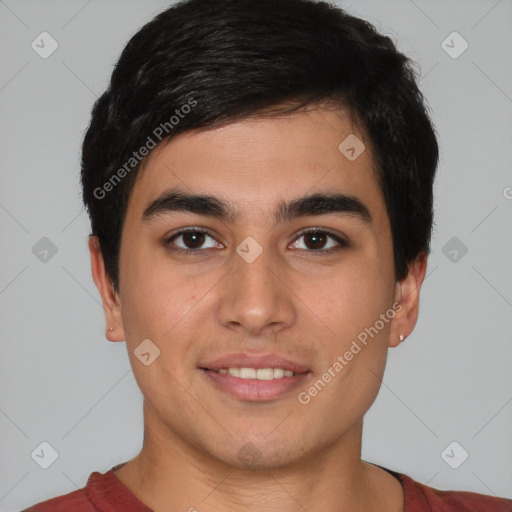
pixel 402 337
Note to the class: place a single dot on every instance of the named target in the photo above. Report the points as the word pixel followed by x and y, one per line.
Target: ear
pixel 407 293
pixel 109 297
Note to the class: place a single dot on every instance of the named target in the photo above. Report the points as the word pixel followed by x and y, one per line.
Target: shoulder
pixel 103 491
pixel 77 501
pixel 420 497
pixel 85 499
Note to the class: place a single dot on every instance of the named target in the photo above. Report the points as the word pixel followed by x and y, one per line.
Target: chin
pixel 258 453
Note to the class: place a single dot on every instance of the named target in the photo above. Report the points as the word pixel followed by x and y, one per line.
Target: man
pixel 259 180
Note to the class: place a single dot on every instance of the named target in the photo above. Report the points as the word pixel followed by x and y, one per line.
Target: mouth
pixel 254 378
pixel 255 373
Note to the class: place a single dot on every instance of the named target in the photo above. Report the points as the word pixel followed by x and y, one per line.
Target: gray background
pixel 63 383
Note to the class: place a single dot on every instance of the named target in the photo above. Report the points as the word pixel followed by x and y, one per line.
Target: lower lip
pixel 254 390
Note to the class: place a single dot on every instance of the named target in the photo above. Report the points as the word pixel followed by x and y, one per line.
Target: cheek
pixel 151 295
pixel 159 307
pixel 168 307
pixel 351 306
pixel 351 296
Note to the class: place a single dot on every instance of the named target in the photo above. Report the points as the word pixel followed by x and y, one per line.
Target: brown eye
pixel 192 240
pixel 315 240
pixel 319 241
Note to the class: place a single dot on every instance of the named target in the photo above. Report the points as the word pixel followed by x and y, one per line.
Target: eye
pixel 316 240
pixel 320 240
pixel 191 240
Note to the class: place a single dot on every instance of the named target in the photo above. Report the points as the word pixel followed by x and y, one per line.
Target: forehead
pixel 257 163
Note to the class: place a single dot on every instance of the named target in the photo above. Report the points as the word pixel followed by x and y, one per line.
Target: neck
pixel 170 474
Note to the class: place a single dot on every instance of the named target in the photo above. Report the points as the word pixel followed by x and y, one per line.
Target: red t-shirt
pixel 106 493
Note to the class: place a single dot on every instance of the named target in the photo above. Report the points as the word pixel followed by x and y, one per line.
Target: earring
pixel 402 337
pixel 111 329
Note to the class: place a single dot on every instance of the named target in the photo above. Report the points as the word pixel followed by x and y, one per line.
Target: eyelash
pixel 342 243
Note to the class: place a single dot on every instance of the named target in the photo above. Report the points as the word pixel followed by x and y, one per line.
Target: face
pixel 278 270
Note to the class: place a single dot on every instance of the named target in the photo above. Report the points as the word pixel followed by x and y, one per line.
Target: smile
pixel 257 373
pixel 254 384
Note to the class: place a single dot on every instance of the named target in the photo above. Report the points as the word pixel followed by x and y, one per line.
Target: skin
pixel 308 307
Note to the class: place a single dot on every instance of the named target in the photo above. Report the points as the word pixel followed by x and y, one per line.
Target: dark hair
pixel 204 63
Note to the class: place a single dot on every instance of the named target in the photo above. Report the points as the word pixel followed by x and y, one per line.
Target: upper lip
pixel 247 360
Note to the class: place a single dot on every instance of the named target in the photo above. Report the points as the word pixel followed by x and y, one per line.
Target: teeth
pixel 265 373
pixel 278 373
pixel 234 371
pixel 260 373
pixel 247 373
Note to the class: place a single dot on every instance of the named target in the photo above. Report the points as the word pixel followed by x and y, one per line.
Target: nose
pixel 256 299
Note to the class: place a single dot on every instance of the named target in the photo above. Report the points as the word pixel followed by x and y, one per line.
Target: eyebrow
pixel 311 205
